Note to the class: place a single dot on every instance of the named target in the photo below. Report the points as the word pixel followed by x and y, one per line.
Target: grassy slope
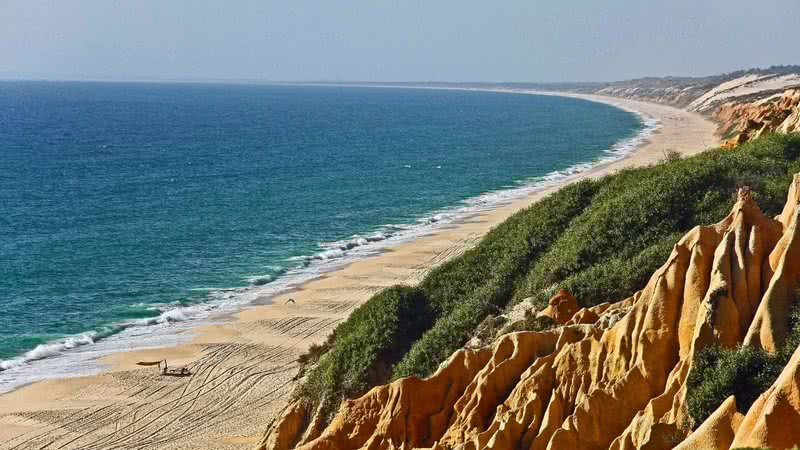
pixel 600 239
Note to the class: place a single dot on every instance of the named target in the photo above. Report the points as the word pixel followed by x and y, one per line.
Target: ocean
pixel 132 211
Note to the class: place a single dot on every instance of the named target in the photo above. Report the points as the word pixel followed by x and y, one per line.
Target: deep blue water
pixel 119 202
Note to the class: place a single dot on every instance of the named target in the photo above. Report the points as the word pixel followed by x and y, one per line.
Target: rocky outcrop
pixel 718 431
pixel 613 376
pixel 561 307
pixel 744 121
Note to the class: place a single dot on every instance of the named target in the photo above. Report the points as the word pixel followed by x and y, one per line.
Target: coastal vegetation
pixel 359 353
pixel 600 239
pixel 745 372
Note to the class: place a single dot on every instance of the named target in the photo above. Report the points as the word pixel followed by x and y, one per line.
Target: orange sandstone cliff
pixel 743 121
pixel 612 376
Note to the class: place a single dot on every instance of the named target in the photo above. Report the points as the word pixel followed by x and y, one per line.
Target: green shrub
pixel 622 226
pixel 719 373
pixel 377 333
pixel 745 372
pixel 507 250
pixel 313 354
pixel 481 282
pixel 615 278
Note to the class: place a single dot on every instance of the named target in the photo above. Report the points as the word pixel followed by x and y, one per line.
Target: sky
pixel 401 40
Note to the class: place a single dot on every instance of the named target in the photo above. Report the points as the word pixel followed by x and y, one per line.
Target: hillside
pixel 612 365
pixel 684 92
pixel 746 104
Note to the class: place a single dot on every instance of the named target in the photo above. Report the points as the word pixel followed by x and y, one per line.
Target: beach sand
pixel 244 369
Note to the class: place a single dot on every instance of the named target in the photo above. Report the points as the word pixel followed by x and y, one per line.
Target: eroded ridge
pixel 614 376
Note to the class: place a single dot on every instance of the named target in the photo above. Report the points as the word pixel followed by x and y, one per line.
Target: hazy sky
pixel 402 40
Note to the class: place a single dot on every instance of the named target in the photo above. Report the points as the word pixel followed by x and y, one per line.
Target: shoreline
pixel 77 355
pixel 246 364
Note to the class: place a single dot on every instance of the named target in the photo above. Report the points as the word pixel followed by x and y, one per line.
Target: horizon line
pixel 210 80
pixel 285 82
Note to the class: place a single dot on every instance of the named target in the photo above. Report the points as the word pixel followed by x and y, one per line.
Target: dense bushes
pixel 649 208
pixel 745 372
pixel 719 373
pixel 614 278
pixel 507 250
pixel 377 334
pixel 481 282
pixel 600 239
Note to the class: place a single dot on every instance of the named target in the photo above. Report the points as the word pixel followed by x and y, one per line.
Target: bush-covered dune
pixel 600 239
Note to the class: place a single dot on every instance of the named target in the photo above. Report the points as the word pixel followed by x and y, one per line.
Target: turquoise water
pixel 132 207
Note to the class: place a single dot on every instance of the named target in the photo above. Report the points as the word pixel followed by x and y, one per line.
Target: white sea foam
pixel 77 355
pixel 50 349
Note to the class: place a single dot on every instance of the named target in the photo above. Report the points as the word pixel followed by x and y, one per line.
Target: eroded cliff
pixel 613 376
pixel 744 121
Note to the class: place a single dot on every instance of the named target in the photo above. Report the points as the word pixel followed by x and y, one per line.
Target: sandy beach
pixel 243 369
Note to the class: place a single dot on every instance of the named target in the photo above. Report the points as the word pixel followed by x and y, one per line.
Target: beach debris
pixel 149 363
pixel 291 300
pixel 165 370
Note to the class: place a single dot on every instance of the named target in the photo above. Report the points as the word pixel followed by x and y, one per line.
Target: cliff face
pixel 745 89
pixel 613 376
pixel 745 121
pixel 678 92
pixel 746 105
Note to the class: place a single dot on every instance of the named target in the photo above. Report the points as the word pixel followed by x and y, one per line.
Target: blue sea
pixel 130 211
